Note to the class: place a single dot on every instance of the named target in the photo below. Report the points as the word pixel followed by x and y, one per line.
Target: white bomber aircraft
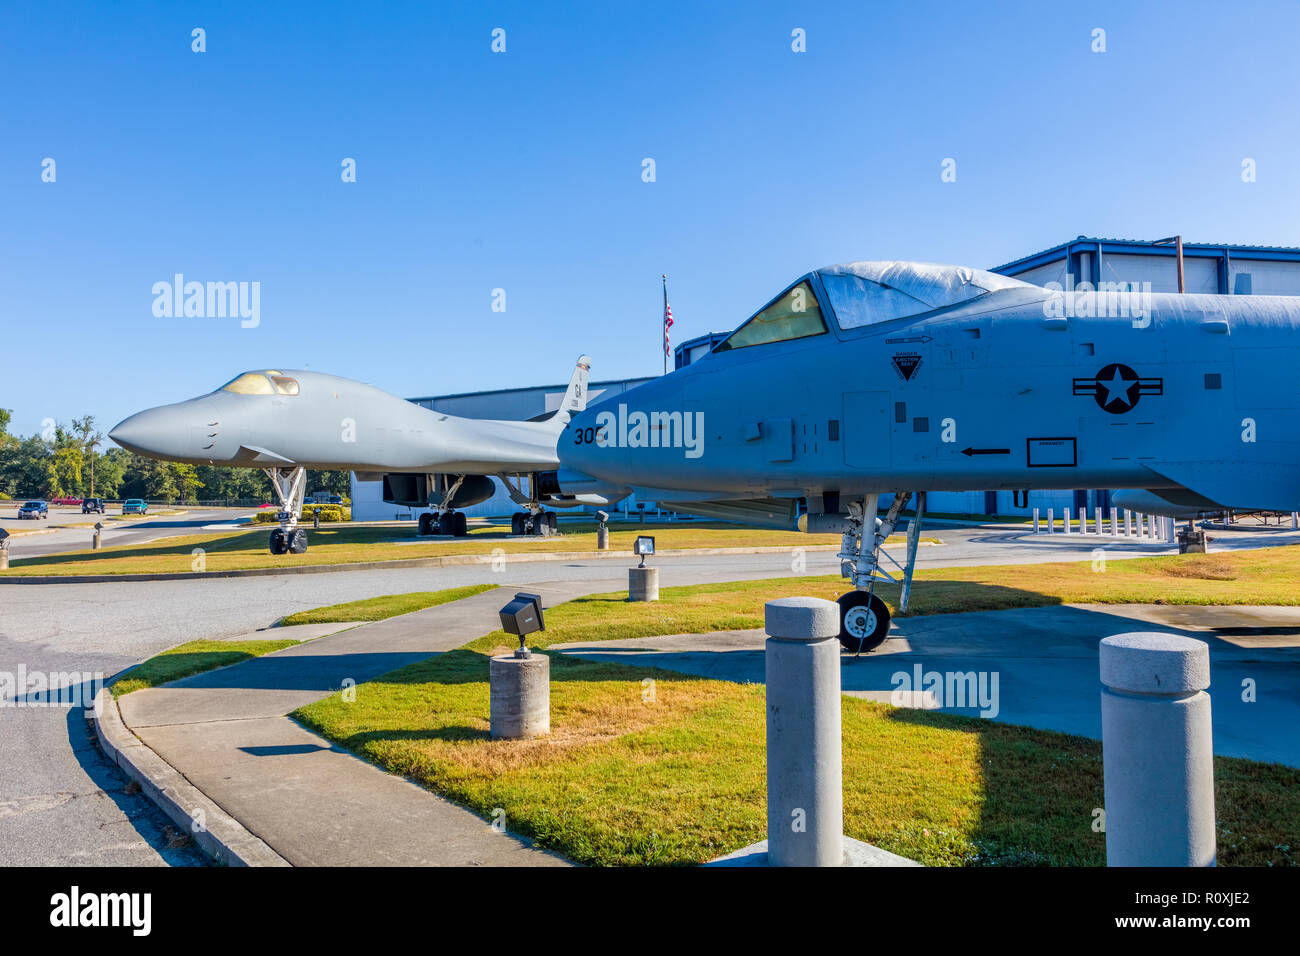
pixel 286 422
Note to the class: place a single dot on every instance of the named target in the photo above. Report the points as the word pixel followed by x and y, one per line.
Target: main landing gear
pixel 290 485
pixel 864 617
pixel 444 522
pixel 533 520
pixel 539 522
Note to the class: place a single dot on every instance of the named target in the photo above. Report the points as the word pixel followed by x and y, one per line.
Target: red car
pixel 65 501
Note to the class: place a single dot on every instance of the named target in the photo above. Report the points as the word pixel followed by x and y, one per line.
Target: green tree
pixel 91 439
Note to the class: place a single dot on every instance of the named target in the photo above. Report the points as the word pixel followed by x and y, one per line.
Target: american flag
pixel 668 324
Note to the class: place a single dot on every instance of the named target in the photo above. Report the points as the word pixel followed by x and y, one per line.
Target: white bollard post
pixel 1114 521
pixel 1128 523
pixel 805 797
pixel 1157 751
pixel 1051 521
pixel 1295 521
pixel 1098 513
pixel 1067 520
pixel 1035 521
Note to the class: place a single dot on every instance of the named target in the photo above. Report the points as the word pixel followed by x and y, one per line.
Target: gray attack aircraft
pixel 286 422
pixel 894 378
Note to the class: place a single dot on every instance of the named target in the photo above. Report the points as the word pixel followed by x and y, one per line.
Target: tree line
pixel 67 462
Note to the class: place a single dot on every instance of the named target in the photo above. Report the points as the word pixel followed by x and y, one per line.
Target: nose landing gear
pixel 290 485
pixel 864 617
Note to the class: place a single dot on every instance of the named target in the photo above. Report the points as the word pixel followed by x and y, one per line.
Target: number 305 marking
pixel 584 436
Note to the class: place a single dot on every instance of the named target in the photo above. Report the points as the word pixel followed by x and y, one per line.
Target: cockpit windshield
pixel 866 293
pixel 261 383
pixel 795 315
pixel 250 383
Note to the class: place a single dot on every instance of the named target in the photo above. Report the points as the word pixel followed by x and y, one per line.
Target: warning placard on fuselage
pixel 1051 452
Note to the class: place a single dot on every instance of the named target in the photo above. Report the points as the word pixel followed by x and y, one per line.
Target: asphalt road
pixel 61 802
pixel 116 533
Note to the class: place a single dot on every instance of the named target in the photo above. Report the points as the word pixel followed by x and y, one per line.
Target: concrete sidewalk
pixel 1045 660
pixel 314 803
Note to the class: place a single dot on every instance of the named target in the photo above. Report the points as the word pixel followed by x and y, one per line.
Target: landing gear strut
pixel 444 519
pixel 534 521
pixel 451 523
pixel 290 484
pixel 864 617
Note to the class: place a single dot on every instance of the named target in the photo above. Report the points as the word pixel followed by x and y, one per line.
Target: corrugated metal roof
pixel 1149 244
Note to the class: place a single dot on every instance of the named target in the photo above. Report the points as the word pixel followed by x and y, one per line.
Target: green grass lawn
pixel 192 658
pixel 680 779
pixel 378 608
pixel 1266 576
pixel 343 543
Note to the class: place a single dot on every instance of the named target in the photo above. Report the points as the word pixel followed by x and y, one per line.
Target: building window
pixel 1213 380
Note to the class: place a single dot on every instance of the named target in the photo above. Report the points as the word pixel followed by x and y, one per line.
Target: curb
pixel 222 836
pixel 451 560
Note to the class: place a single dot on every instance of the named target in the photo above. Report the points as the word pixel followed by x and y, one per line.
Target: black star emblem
pixel 1117 388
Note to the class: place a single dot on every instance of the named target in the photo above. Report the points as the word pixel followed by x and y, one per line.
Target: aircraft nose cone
pixel 154 433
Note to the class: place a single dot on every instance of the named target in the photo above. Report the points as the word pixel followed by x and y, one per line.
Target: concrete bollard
pixel 95 542
pixel 805 797
pixel 602 538
pixel 1097 521
pixel 1051 521
pixel 1157 753
pixel 1128 523
pixel 1067 520
pixel 1035 521
pixel 643 584
pixel 4 555
pixel 1295 521
pixel 519 696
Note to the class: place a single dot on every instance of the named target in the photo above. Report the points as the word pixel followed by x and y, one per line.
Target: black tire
pixel 516 523
pixel 298 541
pixel 459 525
pixel 425 524
pixel 864 621
pixel 277 541
pixel 553 522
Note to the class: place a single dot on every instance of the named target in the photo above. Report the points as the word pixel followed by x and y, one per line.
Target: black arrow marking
pixel 985 451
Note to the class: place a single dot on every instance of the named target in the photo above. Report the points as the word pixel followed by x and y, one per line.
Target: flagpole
pixel 663 319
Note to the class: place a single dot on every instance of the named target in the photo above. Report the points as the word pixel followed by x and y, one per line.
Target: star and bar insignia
pixel 1117 388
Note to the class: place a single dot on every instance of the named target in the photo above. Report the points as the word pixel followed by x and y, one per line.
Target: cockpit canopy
pixel 858 294
pixel 267 382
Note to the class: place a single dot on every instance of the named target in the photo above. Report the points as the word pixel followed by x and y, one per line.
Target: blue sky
pixel 522 171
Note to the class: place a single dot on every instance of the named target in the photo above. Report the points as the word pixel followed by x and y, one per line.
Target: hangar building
pixel 1169 265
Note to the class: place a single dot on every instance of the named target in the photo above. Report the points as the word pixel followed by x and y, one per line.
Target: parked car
pixel 92 506
pixel 34 509
pixel 66 501
pixel 134 506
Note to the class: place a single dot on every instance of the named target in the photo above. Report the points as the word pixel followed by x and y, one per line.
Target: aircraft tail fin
pixel 575 397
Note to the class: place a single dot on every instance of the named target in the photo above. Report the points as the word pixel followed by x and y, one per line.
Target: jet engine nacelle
pixel 568 489
pixel 413 490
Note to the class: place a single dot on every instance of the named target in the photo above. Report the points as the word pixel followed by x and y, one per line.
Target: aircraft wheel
pixel 425 524
pixel 277 542
pixel 298 541
pixel 459 525
pixel 516 523
pixel 864 621
pixel 552 522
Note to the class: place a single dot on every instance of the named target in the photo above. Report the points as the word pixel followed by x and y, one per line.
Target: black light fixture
pixel 645 544
pixel 522 616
